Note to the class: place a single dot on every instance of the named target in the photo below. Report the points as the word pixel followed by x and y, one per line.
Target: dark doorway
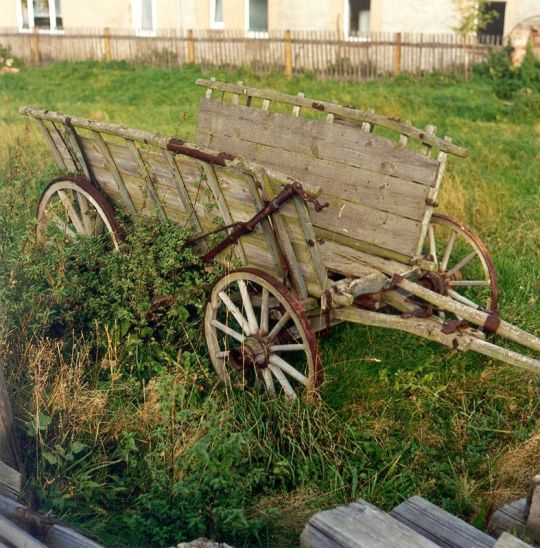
pixel 496 25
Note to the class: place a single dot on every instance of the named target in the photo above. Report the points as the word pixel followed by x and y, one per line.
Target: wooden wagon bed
pixel 329 210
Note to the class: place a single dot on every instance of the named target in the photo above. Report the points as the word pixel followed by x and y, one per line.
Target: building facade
pixel 350 17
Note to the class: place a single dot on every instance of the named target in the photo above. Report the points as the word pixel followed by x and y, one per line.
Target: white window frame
pixel 213 23
pixel 347 25
pixel 136 16
pixel 252 33
pixel 31 21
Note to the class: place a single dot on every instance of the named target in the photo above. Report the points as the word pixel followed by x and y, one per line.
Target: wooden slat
pixel 57 155
pixel 269 235
pixel 359 525
pixel 15 536
pixel 10 480
pixel 506 540
pixel 318 139
pixel 213 185
pixel 9 447
pixel 182 191
pixel 353 114
pixel 103 148
pixel 148 179
pixel 439 526
pixel 62 147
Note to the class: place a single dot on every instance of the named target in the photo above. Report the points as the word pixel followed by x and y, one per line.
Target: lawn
pixel 399 416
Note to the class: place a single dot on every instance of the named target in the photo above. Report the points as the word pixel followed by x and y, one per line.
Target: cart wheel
pixel 464 270
pixel 258 334
pixel 72 207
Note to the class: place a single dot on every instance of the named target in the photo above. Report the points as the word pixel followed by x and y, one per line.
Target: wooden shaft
pixel 472 315
pixel 288 54
pixel 346 112
pixel 430 328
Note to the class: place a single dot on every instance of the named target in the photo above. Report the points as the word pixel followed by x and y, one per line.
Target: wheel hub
pixel 253 353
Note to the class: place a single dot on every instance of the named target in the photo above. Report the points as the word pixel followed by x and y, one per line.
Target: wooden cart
pixel 324 217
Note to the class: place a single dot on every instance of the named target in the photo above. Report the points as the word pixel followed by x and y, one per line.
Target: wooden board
pixel 510 517
pixel 440 526
pixel 359 525
pixel 377 190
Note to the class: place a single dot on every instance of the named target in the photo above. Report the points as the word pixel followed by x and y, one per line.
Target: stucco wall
pixel 435 16
pixel 97 14
pixel 8 14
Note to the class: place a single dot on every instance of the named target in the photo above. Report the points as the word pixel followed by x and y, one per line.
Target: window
pixel 257 17
pixel 357 18
pixel 43 15
pixel 144 17
pixel 494 11
pixel 216 14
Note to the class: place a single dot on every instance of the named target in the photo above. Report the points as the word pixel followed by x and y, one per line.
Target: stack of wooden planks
pixel 414 523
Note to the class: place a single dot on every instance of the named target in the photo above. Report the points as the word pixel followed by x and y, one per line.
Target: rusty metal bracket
pixel 420 312
pixel 454 325
pixel 287 192
pixel 492 323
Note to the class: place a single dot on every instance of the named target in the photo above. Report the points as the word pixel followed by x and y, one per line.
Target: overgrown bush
pixel 123 418
pixel 520 84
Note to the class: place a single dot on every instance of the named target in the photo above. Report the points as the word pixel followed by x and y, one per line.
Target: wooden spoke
pixel 86 210
pixel 231 307
pixel 228 331
pixel 73 215
pixel 252 321
pixel 264 311
pixel 289 369
pixel 468 283
pixel 286 347
pixel 279 326
pixel 432 244
pixel 268 382
pixel 63 226
pixel 250 300
pixel 285 384
pixel 448 251
pixel 462 299
pixel 465 261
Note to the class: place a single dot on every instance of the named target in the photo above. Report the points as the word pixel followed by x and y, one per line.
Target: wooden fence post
pixel 35 47
pixel 397 55
pixel 191 47
pixel 107 40
pixel 288 54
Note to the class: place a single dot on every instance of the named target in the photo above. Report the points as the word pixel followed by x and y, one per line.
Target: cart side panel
pixel 377 189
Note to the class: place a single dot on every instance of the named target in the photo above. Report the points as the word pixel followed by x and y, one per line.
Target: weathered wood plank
pixel 506 540
pixel 334 142
pixel 10 480
pixel 111 165
pixel 15 536
pixel 333 108
pixel 51 144
pixel 148 178
pixel 182 191
pixel 359 525
pixel 440 526
pixel 9 447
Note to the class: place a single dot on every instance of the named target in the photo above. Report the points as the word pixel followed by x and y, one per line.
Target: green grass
pixel 400 415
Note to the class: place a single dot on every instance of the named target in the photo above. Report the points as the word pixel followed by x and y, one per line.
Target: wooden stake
pixel 107 40
pixel 191 47
pixel 35 47
pixel 397 55
pixel 288 54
